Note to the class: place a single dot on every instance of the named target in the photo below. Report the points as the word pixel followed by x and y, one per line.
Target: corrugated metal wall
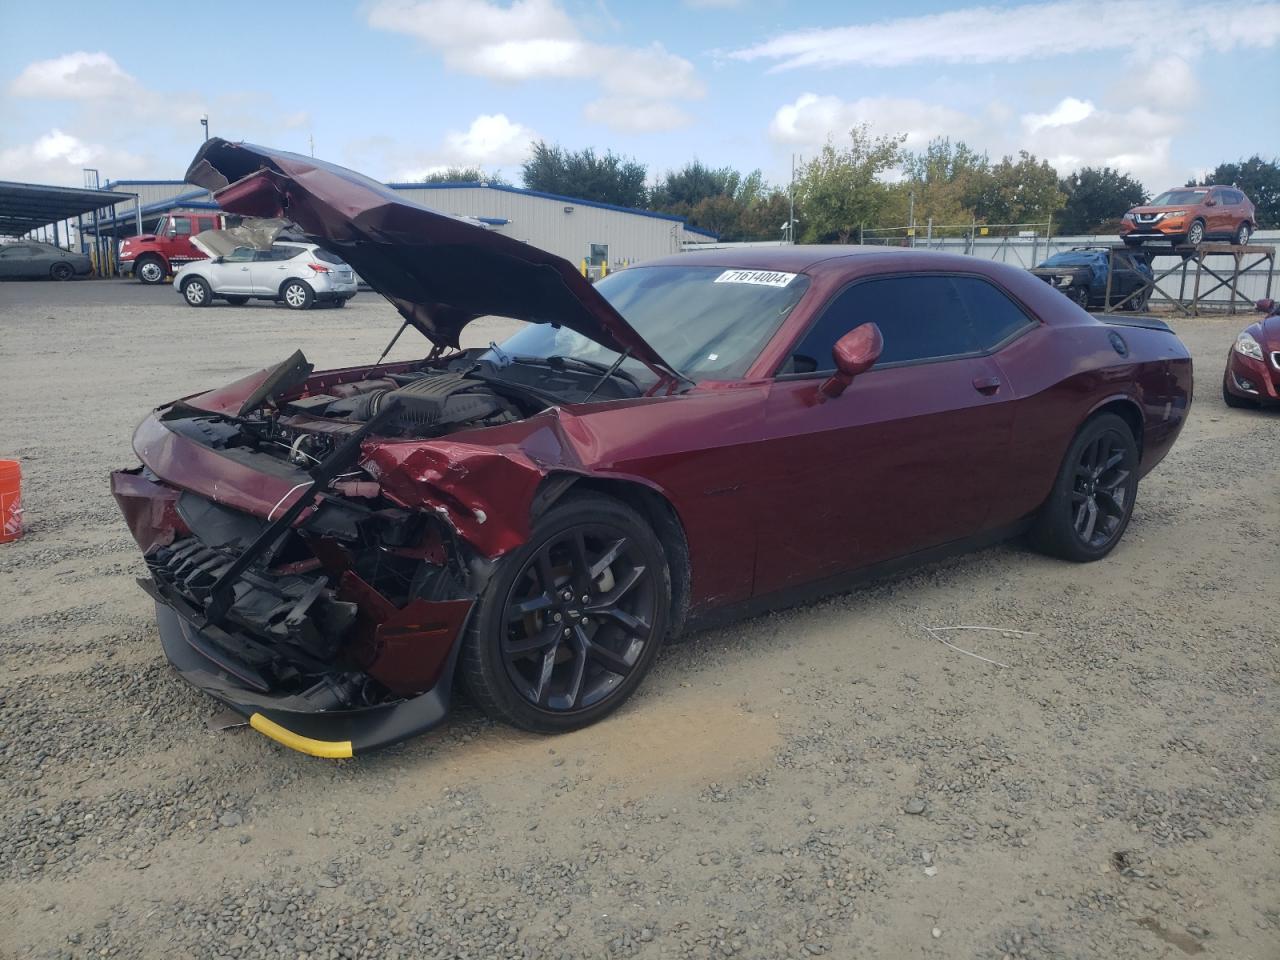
pixel 544 223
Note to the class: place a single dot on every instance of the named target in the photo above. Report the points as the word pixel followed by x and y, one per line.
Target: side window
pixel 1236 196
pixel 180 225
pixel 239 255
pixel 993 317
pixel 204 223
pixel 920 317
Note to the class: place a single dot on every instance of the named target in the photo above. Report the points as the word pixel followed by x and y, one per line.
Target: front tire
pixel 570 622
pixel 297 295
pixel 1195 235
pixel 196 292
pixel 1092 499
pixel 149 270
pixel 1080 295
pixel 62 271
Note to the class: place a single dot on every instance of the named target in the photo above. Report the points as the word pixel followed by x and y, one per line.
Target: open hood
pixel 440 271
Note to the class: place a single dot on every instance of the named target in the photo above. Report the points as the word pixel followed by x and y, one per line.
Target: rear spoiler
pixel 1146 323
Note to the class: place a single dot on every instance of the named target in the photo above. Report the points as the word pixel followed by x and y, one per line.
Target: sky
pixel 397 88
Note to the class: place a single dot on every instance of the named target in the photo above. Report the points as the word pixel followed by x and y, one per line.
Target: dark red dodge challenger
pixel 696 437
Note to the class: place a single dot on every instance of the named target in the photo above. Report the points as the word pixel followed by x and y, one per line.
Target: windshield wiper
pixel 557 360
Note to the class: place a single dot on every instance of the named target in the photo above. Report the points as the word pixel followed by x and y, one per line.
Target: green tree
pixel 1024 190
pixel 938 184
pixel 462 175
pixel 679 191
pixel 840 189
pixel 607 178
pixel 1096 199
pixel 1259 179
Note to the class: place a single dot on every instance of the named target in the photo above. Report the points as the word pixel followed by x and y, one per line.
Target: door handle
pixel 986 385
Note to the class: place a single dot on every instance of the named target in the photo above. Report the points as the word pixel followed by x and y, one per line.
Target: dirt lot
pixel 1111 792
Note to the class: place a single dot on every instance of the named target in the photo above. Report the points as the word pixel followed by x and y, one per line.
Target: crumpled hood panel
pixel 440 271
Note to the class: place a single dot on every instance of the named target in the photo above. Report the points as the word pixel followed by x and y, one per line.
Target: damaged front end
pixel 311 572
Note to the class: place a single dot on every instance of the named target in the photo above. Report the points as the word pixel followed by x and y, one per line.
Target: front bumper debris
pixel 306 721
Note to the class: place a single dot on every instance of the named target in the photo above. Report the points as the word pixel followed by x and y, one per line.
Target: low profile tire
pixel 1231 400
pixel 1243 233
pixel 297 295
pixel 1092 499
pixel 62 271
pixel 237 301
pixel 1195 235
pixel 149 270
pixel 196 292
pixel 570 622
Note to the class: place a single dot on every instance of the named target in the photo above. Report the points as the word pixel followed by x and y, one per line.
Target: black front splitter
pixel 320 733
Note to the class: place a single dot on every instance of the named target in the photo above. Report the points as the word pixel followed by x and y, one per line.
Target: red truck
pixel 153 256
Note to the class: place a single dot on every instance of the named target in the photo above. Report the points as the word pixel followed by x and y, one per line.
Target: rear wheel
pixel 1243 233
pixel 570 623
pixel 297 295
pixel 196 292
pixel 237 301
pixel 149 270
pixel 1092 499
pixel 62 271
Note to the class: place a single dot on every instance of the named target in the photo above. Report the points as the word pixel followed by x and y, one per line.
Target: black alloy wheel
pixel 1092 499
pixel 62 271
pixel 1080 295
pixel 572 621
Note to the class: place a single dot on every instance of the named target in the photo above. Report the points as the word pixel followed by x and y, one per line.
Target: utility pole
pixel 204 122
pixel 311 141
pixel 791 201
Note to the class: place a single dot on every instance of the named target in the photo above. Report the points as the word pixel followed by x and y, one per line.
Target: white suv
pixel 297 274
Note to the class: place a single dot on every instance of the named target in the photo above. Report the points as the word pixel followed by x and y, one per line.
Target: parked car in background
pixel 1081 275
pixel 1252 377
pixel 33 260
pixel 296 274
pixel 697 436
pixel 153 256
pixel 1191 215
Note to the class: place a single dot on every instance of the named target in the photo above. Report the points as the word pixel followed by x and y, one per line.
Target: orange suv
pixel 1190 215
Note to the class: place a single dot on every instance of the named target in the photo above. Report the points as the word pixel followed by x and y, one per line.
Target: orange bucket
pixel 10 500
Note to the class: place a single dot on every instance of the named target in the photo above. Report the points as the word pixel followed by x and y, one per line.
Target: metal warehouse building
pixel 578 230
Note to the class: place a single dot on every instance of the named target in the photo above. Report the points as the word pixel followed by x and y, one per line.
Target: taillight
pixel 318 268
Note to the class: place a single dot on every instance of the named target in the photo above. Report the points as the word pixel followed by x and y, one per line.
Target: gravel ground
pixel 830 780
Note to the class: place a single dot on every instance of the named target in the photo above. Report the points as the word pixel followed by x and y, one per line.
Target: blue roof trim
pixel 493 221
pixel 461 185
pixel 162 206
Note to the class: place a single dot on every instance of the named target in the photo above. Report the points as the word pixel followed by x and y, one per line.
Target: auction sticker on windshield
pixel 764 278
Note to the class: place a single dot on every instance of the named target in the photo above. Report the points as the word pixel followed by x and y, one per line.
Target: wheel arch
pixel 651 504
pixel 1127 409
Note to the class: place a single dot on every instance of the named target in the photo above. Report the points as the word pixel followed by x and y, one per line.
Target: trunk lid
pixel 440 271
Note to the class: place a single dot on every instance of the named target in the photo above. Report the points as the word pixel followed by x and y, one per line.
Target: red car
pixel 1252 377
pixel 698 437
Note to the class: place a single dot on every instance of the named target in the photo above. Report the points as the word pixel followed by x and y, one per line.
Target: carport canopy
pixel 28 206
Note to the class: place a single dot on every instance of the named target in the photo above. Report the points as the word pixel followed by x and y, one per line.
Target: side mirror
pixel 854 353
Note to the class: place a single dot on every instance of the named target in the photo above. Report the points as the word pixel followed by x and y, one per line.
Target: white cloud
pixel 536 39
pixel 1068 111
pixel 812 119
pixel 491 140
pixel 1070 134
pixel 997 34
pixel 636 116
pixel 59 158
pixel 74 76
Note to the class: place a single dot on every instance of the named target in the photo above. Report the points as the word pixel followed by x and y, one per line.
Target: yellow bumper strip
pixel 331 749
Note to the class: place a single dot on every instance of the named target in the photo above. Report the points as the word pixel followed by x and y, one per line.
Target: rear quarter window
pixel 324 256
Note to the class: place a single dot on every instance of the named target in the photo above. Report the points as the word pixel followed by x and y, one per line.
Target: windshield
pixel 1073 259
pixel 710 323
pixel 1171 197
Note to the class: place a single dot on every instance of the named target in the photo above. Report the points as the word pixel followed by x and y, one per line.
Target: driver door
pixel 232 273
pixel 910 455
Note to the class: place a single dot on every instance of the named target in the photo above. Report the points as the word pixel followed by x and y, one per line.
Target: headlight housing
pixel 1249 347
pixel 1174 214
pixel 1063 279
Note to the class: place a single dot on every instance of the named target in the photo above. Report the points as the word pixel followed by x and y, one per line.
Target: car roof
pixel 815 259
